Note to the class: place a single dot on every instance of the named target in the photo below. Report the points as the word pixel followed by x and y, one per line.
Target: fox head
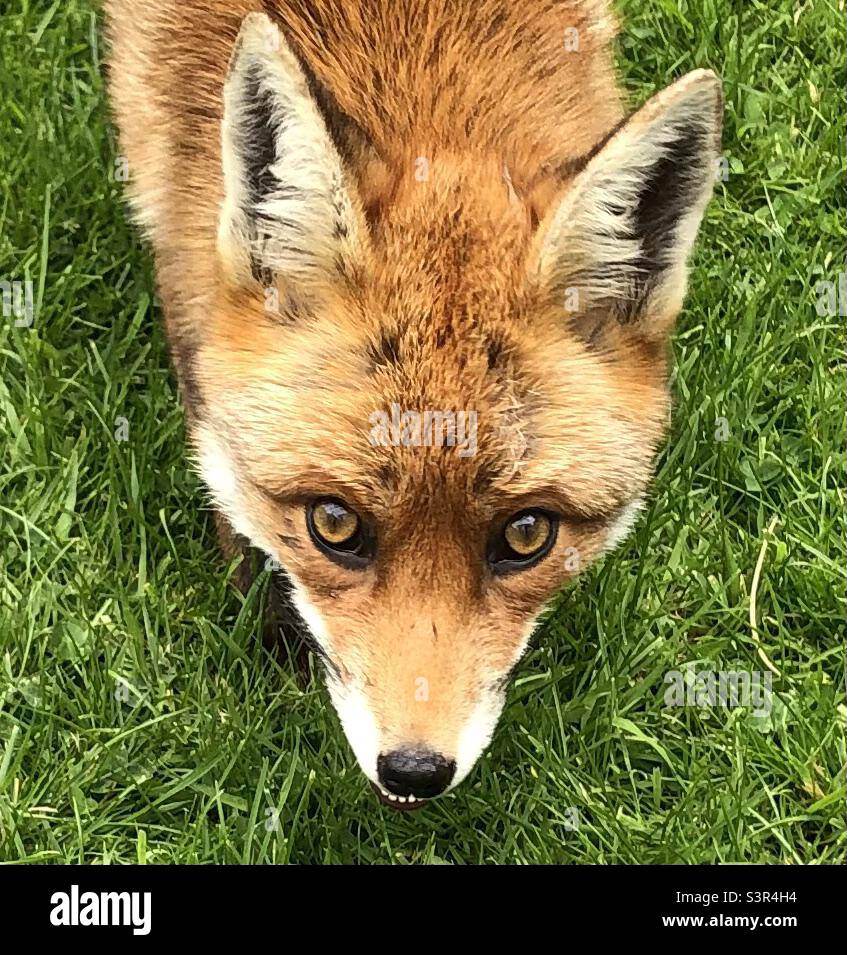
pixel 434 390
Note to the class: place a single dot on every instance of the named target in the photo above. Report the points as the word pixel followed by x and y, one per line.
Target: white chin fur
pixel 356 718
pixel 476 734
pixel 359 725
pixel 220 476
pixel 310 614
pixel 619 529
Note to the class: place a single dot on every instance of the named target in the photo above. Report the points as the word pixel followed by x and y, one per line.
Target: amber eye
pixel 522 541
pixel 527 533
pixel 334 523
pixel 337 531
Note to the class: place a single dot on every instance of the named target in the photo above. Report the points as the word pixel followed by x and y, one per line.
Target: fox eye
pixel 337 531
pixel 524 539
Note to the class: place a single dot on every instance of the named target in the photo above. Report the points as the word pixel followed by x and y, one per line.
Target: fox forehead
pixel 473 424
pixel 438 324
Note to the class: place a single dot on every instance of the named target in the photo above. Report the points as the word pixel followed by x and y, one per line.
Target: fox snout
pixel 416 737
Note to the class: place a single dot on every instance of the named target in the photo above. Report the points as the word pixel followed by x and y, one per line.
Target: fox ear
pixel 288 208
pixel 615 244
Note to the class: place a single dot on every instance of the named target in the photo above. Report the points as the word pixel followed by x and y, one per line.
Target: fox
pixel 419 268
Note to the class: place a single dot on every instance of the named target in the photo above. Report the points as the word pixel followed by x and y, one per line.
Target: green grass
pixel 109 570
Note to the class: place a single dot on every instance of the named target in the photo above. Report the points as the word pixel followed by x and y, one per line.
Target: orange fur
pixel 445 305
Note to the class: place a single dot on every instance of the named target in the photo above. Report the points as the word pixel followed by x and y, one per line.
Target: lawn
pixel 140 718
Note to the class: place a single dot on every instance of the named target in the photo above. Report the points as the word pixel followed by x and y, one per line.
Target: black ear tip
pixel 258 25
pixel 717 94
pixel 702 78
pixel 719 106
pixel 708 94
pixel 257 34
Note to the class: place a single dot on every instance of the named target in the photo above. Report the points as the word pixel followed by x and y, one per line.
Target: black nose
pixel 417 773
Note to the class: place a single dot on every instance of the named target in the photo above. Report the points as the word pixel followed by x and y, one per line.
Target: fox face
pixel 434 391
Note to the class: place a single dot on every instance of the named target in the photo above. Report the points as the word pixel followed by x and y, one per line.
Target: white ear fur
pixel 288 208
pixel 621 234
